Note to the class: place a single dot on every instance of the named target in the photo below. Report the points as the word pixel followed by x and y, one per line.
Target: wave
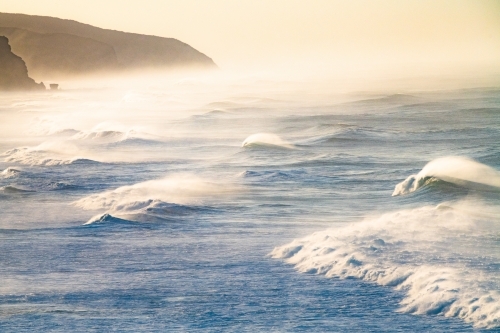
pixel 12 189
pixel 266 140
pixel 105 219
pixel 117 137
pixel 137 141
pixel 442 258
pixel 329 128
pixel 346 134
pixel 49 153
pixel 327 139
pixel 177 195
pixel 34 186
pixel 10 172
pixel 211 115
pixel 100 135
pixel 59 186
pixel 149 211
pixel 271 175
pixel 110 131
pixel 64 132
pixel 460 171
pixel 390 99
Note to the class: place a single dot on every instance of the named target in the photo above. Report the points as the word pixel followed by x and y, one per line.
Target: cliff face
pixel 133 51
pixel 13 71
pixel 52 55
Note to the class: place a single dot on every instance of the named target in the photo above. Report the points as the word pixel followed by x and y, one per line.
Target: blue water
pixel 139 210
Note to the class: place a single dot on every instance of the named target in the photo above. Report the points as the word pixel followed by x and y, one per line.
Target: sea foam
pixel 9 172
pixel 461 171
pixel 266 140
pixel 443 258
pixel 48 153
pixel 175 195
pixel 107 132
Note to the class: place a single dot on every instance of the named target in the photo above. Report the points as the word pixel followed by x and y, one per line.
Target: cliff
pixel 53 55
pixel 133 51
pixel 13 71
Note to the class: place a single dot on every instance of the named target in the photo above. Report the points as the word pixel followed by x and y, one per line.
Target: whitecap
pixel 266 140
pixel 10 172
pixel 177 195
pixel 461 171
pixel 440 257
pixel 49 153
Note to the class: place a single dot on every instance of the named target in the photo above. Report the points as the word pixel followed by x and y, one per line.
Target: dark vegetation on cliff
pixel 54 47
pixel 13 71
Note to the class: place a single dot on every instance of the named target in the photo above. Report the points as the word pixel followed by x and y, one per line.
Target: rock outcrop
pixel 13 71
pixel 75 39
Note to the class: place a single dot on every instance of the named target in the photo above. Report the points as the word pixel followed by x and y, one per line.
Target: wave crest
pixel 176 195
pixel 10 172
pixel 13 189
pixel 416 251
pixel 100 135
pixel 49 153
pixel 457 170
pixel 266 140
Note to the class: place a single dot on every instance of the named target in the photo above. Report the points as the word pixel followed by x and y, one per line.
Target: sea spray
pixel 173 195
pixel 266 140
pixel 429 253
pixel 457 170
pixel 48 153
pixel 10 172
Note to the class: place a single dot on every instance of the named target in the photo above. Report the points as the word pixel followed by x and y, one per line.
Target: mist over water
pixel 456 170
pixel 250 203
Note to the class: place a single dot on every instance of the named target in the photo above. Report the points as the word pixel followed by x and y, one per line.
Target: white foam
pixel 443 259
pixel 48 153
pixel 102 135
pixel 105 131
pixel 266 139
pixel 113 132
pixel 10 172
pixel 454 169
pixel 184 189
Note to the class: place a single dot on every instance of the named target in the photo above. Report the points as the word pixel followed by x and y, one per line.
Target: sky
pixel 314 33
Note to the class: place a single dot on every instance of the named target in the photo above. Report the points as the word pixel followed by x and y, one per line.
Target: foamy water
pixel 430 253
pixel 457 170
pixel 247 205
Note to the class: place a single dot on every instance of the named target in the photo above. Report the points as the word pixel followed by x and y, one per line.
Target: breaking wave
pixel 34 186
pixel 10 172
pixel 174 196
pixel 456 170
pixel 443 258
pixel 49 153
pixel 100 135
pixel 12 189
pixel 106 219
pixel 108 136
pixel 266 140
pixel 105 132
pixel 150 211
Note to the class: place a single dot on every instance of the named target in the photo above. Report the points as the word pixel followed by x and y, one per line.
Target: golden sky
pixel 259 33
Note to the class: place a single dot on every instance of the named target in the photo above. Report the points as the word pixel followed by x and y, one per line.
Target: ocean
pixel 249 205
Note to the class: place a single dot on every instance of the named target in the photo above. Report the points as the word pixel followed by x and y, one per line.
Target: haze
pixel 321 34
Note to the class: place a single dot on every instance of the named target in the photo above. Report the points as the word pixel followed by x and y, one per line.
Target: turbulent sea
pixel 247 206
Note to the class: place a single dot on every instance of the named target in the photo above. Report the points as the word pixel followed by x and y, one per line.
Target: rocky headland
pixel 13 70
pixel 55 48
